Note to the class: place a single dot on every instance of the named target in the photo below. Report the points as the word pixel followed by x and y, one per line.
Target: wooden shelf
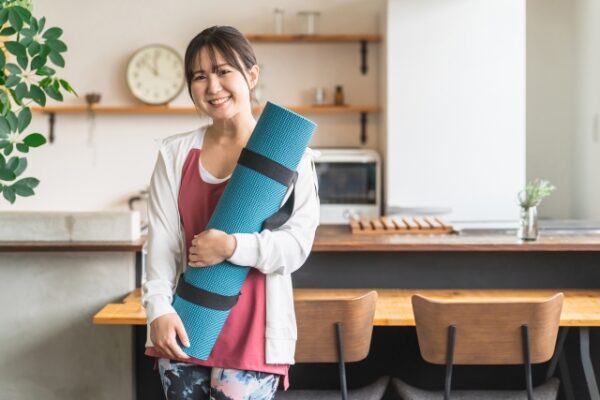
pixel 269 38
pixel 190 110
pixel 362 39
pixel 51 111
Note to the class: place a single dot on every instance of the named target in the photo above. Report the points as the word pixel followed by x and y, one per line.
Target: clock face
pixel 155 74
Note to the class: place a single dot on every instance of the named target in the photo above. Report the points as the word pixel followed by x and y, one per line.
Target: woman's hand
pixel 211 247
pixel 164 331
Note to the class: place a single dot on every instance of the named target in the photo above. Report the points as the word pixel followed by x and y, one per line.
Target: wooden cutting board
pixel 400 226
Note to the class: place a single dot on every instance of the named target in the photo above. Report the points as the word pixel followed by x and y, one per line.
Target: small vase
pixel 528 228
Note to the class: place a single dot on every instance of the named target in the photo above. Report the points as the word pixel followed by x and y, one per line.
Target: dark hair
pixel 228 41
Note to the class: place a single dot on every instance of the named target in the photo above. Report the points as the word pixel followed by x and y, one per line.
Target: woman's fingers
pixel 182 334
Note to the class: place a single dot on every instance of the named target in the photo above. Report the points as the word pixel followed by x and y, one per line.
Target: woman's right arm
pixel 164 253
pixel 164 256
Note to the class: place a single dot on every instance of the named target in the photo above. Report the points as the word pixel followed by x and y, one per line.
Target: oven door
pixel 347 190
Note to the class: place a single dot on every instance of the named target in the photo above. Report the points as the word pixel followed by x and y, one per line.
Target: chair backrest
pixel 487 332
pixel 316 328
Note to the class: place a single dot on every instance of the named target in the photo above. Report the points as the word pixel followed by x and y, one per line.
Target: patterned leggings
pixel 195 382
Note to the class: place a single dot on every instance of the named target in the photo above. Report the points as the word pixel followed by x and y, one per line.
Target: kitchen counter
pixel 66 246
pixel 338 238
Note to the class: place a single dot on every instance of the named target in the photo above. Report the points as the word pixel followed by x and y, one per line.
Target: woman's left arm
pixel 286 248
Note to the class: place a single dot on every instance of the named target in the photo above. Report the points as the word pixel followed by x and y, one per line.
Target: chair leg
pixel 586 361
pixel 527 361
pixel 449 360
pixel 558 352
pixel 341 364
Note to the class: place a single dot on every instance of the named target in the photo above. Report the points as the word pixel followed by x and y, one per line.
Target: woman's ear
pixel 253 74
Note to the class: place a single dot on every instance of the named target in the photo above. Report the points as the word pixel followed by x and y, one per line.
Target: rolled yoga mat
pixel 249 199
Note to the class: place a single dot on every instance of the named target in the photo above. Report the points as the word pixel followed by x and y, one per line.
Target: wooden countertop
pixel 581 307
pixel 129 246
pixel 338 238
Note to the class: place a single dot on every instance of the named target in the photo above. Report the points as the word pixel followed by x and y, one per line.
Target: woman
pixel 257 343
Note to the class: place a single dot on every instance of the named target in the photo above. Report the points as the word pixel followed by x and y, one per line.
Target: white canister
pixel 308 22
pixel 278 21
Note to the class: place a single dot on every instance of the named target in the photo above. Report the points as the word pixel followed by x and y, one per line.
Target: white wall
pixel 551 100
pixel 97 169
pixel 586 192
pixel 456 106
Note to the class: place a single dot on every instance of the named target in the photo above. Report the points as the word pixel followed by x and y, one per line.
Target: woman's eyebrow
pixel 215 68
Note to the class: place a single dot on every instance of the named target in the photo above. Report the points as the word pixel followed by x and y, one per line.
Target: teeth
pixel 219 101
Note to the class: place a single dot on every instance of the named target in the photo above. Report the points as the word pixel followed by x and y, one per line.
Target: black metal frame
pixel 450 360
pixel 341 363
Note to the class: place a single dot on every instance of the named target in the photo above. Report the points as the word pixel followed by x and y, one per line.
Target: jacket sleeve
pixel 164 251
pixel 286 248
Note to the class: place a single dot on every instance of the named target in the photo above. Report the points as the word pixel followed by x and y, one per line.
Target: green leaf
pixel 28 32
pixel 45 71
pixel 14 96
pixel 2 60
pixel 23 13
pixel 16 48
pixel 31 182
pixel 8 149
pixel 21 167
pixel 8 31
pixel 26 41
pixel 44 50
pixel 53 93
pixel 34 24
pixel 4 127
pixel 37 95
pixel 14 69
pixel 22 61
pixel 67 87
pixel 22 190
pixel 24 119
pixel 41 24
pixel 4 143
pixel 13 163
pixel 34 140
pixel 12 80
pixel 52 33
pixel 33 48
pixel 9 194
pixel 2 161
pixel 7 175
pixel 3 16
pixel 12 121
pixel 57 59
pixel 15 19
pixel 21 91
pixel 23 148
pixel 38 62
pixel 56 45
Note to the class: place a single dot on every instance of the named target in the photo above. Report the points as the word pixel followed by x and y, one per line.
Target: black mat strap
pixel 284 213
pixel 266 167
pixel 203 297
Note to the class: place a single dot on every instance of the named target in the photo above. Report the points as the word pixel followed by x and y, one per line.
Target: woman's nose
pixel 213 85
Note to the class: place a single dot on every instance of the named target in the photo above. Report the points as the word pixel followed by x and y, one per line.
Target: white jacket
pixel 275 253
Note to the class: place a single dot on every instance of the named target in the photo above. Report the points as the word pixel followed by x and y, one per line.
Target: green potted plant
pixel 529 199
pixel 29 54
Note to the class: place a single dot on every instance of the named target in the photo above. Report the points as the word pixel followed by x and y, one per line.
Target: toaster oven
pixel 349 184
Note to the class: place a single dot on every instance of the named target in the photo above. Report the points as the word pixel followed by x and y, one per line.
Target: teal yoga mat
pixel 248 200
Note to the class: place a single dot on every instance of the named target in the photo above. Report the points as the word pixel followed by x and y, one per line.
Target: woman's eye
pixel 224 71
pixel 199 77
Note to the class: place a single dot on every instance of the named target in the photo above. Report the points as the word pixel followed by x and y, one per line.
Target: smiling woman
pixel 257 341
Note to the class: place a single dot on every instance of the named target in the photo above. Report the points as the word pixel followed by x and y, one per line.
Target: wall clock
pixel 155 74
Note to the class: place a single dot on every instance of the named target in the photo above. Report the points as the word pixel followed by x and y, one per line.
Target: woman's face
pixel 221 91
